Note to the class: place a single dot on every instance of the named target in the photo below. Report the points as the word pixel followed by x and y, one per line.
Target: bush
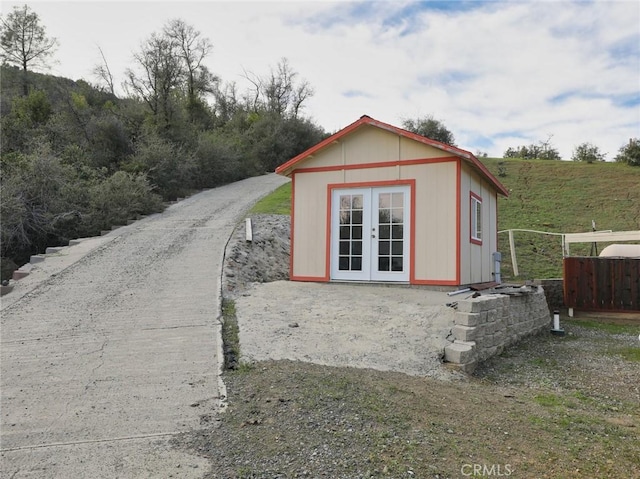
pixel 218 160
pixel 119 198
pixel 588 153
pixel 630 153
pixel 168 167
pixel 25 121
pixel 41 202
pixel 109 141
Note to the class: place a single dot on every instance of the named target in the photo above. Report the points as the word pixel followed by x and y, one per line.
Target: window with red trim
pixel 476 219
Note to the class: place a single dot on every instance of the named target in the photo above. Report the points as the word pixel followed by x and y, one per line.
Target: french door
pixel 370 234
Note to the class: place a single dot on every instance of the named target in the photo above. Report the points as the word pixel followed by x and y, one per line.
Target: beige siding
pixel 413 150
pixel 309 222
pixel 435 220
pixel 332 155
pixel 476 265
pixel 371 145
pixel 370 175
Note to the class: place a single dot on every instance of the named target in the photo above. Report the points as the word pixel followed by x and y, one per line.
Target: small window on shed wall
pixel 476 219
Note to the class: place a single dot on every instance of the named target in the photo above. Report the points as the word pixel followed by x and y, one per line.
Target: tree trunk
pixel 25 79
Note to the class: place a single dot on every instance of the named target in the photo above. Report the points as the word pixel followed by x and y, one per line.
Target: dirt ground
pixel 364 326
pixel 548 407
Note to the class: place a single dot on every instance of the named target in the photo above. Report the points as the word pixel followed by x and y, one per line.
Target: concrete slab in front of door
pixel 389 328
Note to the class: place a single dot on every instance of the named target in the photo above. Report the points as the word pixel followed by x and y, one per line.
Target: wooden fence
pixel 601 284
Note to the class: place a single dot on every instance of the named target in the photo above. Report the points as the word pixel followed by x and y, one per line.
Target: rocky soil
pixel 264 259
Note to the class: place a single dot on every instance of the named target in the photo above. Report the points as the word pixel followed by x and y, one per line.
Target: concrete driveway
pixel 109 348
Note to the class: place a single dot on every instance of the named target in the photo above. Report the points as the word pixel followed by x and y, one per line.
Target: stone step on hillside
pixel 23 271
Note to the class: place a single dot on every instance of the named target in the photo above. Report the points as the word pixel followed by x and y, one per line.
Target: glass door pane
pixel 391 242
pixel 351 234
pixel 350 240
pixel 370 234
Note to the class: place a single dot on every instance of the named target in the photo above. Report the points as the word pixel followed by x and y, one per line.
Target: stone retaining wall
pixel 485 325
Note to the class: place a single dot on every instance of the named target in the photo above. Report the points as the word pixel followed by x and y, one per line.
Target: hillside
pixel 561 197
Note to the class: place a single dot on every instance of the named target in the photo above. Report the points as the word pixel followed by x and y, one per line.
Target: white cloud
pixel 497 74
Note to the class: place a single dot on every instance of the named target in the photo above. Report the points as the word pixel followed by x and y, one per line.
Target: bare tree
pixel 279 93
pixel 254 95
pixel 162 73
pixel 103 72
pixel 24 41
pixel 192 48
pixel 226 102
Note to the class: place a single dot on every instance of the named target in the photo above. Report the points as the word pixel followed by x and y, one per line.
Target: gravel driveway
pixel 109 349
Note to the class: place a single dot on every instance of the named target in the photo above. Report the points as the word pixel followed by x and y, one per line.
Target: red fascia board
pixel 422 139
pixel 470 157
pixel 286 168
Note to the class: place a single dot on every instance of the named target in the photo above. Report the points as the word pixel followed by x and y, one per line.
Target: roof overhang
pixel 287 169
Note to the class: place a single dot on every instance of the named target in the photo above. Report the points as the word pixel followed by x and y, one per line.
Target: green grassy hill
pixel 561 197
pixel 552 196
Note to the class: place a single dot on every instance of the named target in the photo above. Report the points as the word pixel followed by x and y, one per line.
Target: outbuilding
pixel 375 202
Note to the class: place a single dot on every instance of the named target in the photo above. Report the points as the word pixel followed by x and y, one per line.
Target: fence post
pixel 514 260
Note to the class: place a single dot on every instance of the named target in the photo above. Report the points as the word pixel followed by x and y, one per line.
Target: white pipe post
pixel 556 324
pixel 512 247
pixel 248 230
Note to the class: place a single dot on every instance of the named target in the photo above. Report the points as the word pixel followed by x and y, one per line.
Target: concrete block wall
pixel 485 325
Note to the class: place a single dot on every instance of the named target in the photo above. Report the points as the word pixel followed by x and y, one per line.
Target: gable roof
pixel 286 169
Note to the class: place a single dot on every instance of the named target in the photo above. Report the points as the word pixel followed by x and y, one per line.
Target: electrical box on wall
pixel 497 260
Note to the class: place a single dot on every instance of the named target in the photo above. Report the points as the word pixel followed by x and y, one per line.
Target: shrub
pixel 168 167
pixel 588 153
pixel 218 160
pixel 120 197
pixel 630 153
pixel 41 202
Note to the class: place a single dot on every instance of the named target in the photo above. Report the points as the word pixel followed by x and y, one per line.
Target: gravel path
pixel 114 352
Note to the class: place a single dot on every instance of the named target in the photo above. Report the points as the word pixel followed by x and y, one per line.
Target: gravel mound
pixel 262 260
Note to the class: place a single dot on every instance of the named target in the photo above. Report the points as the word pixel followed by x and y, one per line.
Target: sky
pixel 498 74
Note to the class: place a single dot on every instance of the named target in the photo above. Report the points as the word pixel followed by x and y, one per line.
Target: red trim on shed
pixel 472 212
pixel 287 168
pixel 382 164
pixel 458 218
pixel 372 184
pixel 292 224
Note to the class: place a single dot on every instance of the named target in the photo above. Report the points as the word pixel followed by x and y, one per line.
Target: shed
pixel 374 202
